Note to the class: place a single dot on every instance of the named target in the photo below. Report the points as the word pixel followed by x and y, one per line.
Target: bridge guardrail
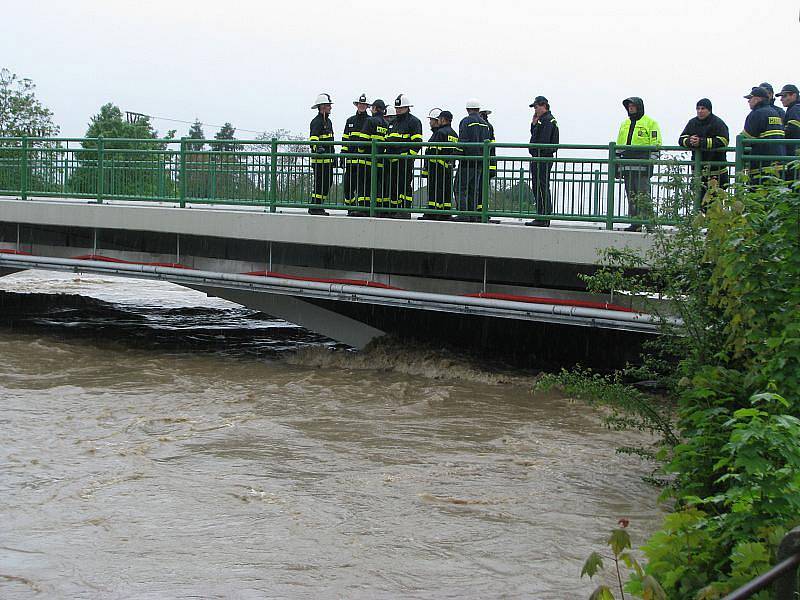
pixel 587 182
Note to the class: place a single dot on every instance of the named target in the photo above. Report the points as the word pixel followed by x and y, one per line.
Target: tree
pixel 134 158
pixel 21 113
pixel 196 133
pixel 227 132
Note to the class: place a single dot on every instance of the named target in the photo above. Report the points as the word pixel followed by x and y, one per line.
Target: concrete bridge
pixel 352 279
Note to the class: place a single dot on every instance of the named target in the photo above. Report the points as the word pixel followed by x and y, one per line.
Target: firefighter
pixel 352 165
pixel 791 126
pixel 375 128
pixel 638 129
pixel 763 123
pixel 469 179
pixel 438 169
pixel 707 134
pixel 405 128
pixel 391 114
pixel 322 154
pixel 544 130
pixel 484 113
pixel 771 98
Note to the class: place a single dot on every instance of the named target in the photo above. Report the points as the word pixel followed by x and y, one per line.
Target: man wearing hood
pixel 638 129
pixel 708 135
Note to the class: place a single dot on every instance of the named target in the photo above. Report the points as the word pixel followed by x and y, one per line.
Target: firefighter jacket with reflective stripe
pixel 641 131
pixel 405 128
pixel 781 112
pixel 791 124
pixel 445 133
pixel 375 128
pixel 352 132
pixel 321 130
pixel 765 123
pixel 544 131
pixel 472 129
pixel 713 134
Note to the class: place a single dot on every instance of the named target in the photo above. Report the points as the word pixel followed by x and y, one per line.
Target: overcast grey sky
pixel 260 64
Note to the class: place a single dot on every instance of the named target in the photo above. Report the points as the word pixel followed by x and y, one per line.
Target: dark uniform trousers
pixel 469 184
pixel 323 179
pixel 440 186
pixel 400 180
pixel 637 188
pixel 540 182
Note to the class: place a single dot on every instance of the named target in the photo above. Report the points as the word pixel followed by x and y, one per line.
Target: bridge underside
pixel 348 315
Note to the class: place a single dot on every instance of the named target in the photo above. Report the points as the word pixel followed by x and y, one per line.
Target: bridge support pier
pixel 315 318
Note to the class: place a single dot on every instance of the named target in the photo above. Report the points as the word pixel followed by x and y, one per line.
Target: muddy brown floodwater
pixel 159 444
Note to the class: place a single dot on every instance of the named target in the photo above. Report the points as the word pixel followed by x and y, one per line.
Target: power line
pixel 153 117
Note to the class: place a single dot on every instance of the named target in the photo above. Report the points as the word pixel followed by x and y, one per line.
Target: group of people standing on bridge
pixel 392 179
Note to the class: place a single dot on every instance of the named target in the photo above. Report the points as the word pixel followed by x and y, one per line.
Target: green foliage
pixel 22 114
pixel 196 133
pixel 135 160
pixel 226 132
pixel 730 364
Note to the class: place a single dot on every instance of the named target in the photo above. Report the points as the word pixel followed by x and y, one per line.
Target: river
pixel 157 443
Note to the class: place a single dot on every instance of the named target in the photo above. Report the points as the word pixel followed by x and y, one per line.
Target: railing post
pixel 182 173
pixel 739 158
pixel 273 174
pixel 596 194
pixel 485 183
pixel 697 176
pixel 612 178
pixel 373 178
pixel 23 175
pixel 101 179
pixel 785 588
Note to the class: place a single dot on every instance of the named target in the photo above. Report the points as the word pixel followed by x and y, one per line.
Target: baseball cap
pixel 789 88
pixel 757 92
pixel 538 100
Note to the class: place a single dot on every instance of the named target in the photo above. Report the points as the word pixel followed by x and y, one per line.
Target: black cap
pixel 705 102
pixel 789 88
pixel 757 92
pixel 538 100
pixel 379 103
pixel 766 86
pixel 446 114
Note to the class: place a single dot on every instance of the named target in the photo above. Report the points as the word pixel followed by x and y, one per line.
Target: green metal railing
pixel 587 182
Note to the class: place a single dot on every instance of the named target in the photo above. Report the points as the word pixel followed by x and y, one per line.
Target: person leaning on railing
pixel 322 154
pixel 707 134
pixel 544 130
pixel 791 127
pixel 762 123
pixel 638 129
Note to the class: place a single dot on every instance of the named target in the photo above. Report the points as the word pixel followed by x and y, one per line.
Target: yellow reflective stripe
pixel 772 133
pixel 493 167
pixel 318 196
pixel 479 124
pixel 683 138
pixel 709 141
pixel 746 134
pixel 412 152
pixel 722 139
pixel 425 172
pixel 314 137
pixel 321 160
pixel 794 122
pixel 416 136
pixel 346 136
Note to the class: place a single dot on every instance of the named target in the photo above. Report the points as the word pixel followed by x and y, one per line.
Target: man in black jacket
pixel 469 179
pixel 353 166
pixel 791 127
pixel 763 123
pixel 322 154
pixel 375 128
pixel 708 135
pixel 771 98
pixel 544 130
pixel 439 168
pixel 408 129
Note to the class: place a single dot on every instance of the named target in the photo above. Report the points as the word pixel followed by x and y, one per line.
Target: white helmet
pixel 402 101
pixel 486 111
pixel 362 99
pixel 473 103
pixel 434 114
pixel 390 111
pixel 322 99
